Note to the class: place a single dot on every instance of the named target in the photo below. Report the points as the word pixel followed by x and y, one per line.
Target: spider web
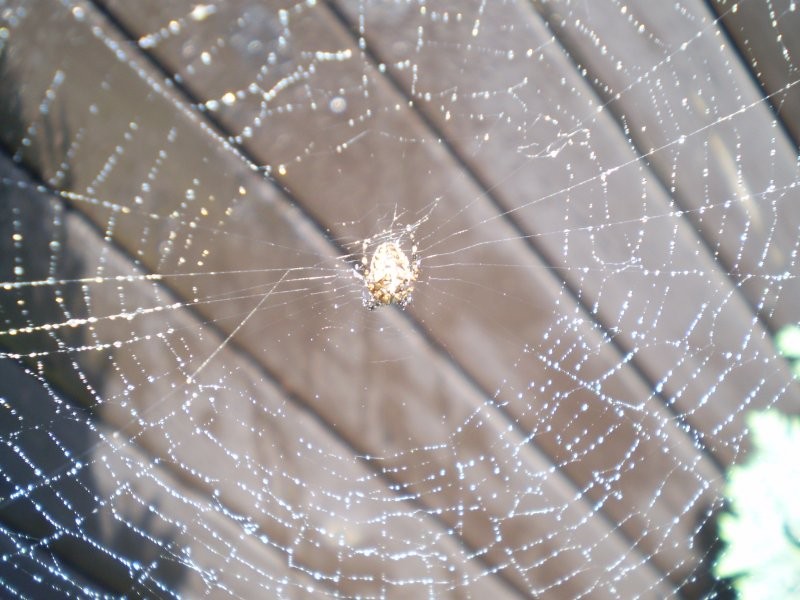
pixel 196 403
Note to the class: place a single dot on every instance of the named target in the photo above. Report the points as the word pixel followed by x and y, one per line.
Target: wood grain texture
pixel 767 34
pixel 251 470
pixel 737 166
pixel 588 468
pixel 385 428
pixel 140 527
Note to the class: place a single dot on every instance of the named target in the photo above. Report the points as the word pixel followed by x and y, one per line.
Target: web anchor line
pixel 191 378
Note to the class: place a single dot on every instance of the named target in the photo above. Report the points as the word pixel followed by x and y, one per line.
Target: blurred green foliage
pixel 761 531
pixel 788 343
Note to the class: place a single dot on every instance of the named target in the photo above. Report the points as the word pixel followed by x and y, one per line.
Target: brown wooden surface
pixel 188 527
pixel 242 433
pixel 336 385
pixel 388 426
pixel 765 32
pixel 728 140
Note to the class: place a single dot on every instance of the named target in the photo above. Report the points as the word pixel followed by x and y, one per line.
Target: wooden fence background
pixel 126 194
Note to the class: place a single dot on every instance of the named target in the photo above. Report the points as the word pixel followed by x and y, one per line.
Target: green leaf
pixel 762 529
pixel 788 341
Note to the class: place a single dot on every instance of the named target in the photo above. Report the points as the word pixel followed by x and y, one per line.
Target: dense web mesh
pixel 602 198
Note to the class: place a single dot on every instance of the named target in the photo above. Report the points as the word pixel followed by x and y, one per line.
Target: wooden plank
pixel 187 536
pixel 389 28
pixel 743 198
pixel 258 463
pixel 37 573
pixel 313 178
pixel 668 337
pixel 150 536
pixel 403 430
pixel 766 34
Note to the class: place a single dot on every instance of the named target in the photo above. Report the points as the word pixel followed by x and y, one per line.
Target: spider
pixel 389 276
